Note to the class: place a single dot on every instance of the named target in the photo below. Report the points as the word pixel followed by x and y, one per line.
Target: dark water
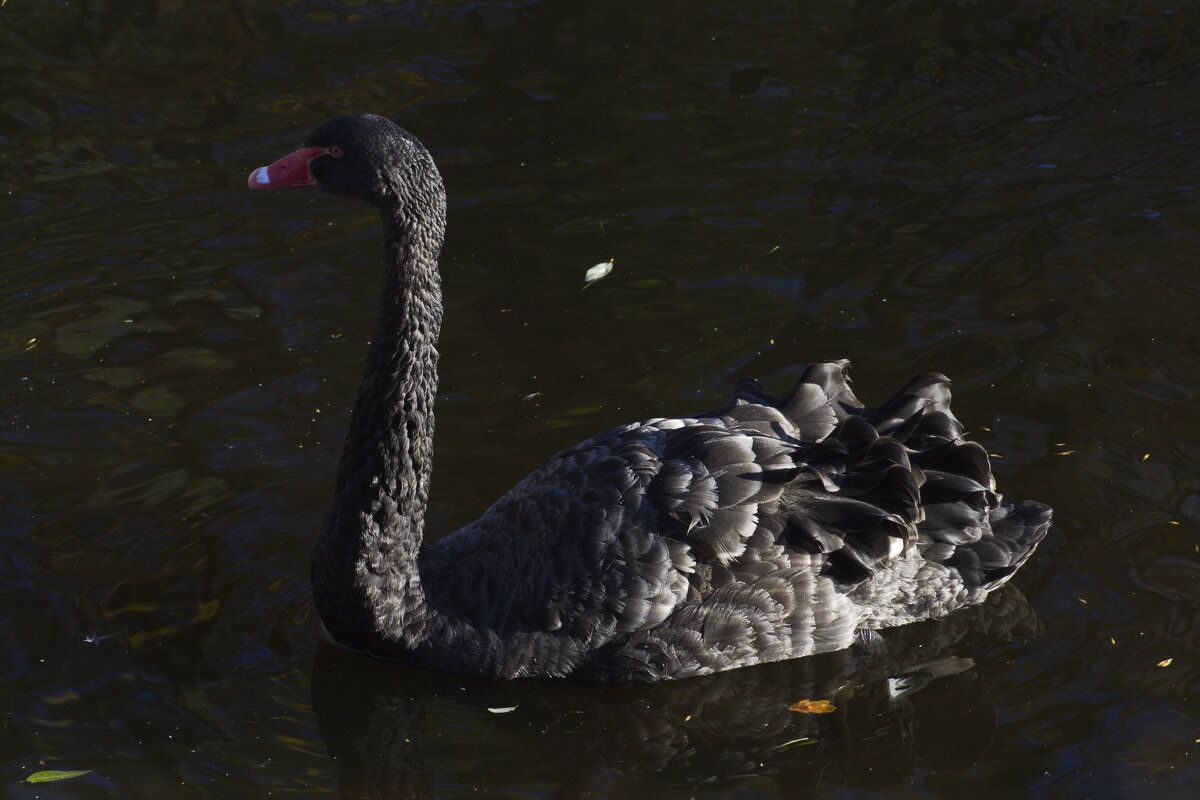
pixel 1002 191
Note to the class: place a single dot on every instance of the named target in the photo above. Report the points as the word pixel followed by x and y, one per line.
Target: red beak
pixel 289 172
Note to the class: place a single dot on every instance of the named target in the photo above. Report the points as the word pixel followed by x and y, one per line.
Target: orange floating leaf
pixel 813 707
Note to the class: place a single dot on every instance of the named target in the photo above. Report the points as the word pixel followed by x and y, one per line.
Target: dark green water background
pixel 1002 191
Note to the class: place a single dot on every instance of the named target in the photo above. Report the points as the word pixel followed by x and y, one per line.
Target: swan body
pixel 767 529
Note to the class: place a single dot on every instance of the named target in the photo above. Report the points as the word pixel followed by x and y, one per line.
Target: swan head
pixel 357 155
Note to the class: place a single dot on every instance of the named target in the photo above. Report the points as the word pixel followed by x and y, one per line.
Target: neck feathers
pixel 365 579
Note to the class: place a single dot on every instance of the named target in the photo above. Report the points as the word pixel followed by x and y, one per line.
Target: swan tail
pixel 1014 532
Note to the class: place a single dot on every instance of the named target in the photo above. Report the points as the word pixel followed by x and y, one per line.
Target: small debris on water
pixel 793 743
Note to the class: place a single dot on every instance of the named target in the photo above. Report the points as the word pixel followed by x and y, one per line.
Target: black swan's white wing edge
pixel 769 528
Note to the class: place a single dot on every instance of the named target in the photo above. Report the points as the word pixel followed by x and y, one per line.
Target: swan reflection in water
pixel 913 697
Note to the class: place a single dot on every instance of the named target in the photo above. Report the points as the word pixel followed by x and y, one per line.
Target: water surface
pixel 1001 191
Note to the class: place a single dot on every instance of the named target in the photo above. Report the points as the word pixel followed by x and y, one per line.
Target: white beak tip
pixel 259 178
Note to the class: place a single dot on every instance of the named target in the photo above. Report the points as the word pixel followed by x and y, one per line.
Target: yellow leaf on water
pixel 813 707
pixel 1064 453
pixel 51 775
pixel 1166 662
pixel 1145 456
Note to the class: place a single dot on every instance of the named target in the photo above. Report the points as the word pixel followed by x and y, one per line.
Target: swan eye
pixel 335 151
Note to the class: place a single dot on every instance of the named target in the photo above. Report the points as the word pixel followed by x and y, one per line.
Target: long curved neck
pixel 364 570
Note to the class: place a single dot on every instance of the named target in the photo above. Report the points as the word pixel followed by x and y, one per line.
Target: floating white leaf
pixel 502 709
pixel 596 272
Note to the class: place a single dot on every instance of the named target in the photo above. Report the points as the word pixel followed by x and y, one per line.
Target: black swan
pixel 767 529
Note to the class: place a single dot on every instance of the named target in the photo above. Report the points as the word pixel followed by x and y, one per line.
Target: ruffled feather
pixel 768 528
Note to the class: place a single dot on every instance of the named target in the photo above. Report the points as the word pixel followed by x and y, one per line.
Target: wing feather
pixel 768 528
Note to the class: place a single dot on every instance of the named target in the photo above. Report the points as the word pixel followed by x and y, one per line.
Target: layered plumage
pixel 767 529
pixel 764 530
